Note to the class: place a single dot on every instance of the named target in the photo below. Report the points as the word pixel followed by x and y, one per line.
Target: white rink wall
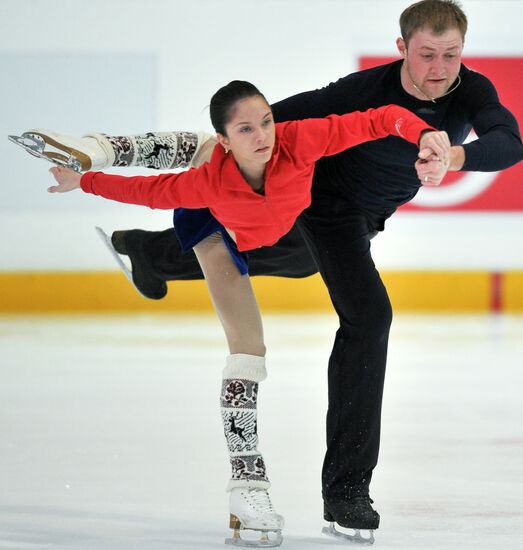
pixel 130 66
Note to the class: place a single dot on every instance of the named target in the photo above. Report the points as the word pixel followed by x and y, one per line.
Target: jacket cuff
pixel 419 130
pixel 86 182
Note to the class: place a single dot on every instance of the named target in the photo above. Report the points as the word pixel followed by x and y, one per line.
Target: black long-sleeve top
pixel 379 176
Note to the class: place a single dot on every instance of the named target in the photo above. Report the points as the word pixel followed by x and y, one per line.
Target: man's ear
pixel 402 47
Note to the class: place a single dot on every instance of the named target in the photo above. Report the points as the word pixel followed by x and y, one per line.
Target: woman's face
pixel 250 131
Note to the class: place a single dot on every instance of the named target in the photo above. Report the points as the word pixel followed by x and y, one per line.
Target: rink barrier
pixel 410 291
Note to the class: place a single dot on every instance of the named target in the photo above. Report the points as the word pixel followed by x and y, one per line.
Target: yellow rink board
pixel 410 291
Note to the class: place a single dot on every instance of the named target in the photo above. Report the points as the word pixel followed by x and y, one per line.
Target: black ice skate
pixel 355 514
pixel 148 286
pixel 129 243
pixel 44 146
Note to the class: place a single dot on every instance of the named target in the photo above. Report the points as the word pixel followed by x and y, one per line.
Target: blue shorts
pixel 194 225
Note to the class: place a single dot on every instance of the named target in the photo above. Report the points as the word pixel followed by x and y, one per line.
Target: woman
pixel 249 195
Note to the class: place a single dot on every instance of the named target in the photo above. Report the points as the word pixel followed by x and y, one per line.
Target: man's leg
pixel 341 246
pixel 156 257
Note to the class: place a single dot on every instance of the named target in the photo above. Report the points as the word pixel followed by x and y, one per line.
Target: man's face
pixel 432 62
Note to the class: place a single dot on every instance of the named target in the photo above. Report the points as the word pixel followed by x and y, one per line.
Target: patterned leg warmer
pixel 157 150
pixel 238 407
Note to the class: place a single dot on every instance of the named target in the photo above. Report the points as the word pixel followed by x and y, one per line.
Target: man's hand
pixel 67 180
pixel 434 157
pixel 431 172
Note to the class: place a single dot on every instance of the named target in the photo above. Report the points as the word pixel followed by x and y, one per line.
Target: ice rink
pixel 111 437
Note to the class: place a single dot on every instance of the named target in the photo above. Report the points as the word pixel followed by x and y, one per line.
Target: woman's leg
pixel 235 303
pixel 158 150
pixel 232 297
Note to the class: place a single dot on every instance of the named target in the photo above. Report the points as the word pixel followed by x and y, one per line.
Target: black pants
pixel 338 236
pixel 289 258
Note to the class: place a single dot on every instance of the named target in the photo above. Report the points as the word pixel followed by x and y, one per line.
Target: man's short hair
pixel 437 15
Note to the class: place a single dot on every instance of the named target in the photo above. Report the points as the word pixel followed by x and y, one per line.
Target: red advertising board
pixel 476 191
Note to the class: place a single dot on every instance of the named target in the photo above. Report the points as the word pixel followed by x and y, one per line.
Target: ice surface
pixel 111 436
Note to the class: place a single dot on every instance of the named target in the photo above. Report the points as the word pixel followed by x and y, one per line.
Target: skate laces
pixel 259 499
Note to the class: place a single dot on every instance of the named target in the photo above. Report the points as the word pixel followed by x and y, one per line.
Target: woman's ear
pixel 223 141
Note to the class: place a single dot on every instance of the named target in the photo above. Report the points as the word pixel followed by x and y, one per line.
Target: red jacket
pixel 260 220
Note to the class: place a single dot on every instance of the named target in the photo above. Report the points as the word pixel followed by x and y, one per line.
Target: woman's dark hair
pixel 223 101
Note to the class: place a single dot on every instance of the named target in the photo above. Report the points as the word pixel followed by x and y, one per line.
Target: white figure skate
pixel 251 509
pixel 78 154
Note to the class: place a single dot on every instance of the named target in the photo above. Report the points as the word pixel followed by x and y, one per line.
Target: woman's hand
pixel 434 144
pixel 67 180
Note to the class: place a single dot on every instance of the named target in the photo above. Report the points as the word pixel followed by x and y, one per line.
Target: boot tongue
pixel 261 497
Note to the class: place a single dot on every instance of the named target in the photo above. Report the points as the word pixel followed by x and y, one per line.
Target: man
pixel 353 194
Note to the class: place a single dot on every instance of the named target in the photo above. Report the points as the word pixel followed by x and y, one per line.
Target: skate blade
pixel 35 145
pixel 121 264
pixel 263 542
pixel 32 144
pixel 356 538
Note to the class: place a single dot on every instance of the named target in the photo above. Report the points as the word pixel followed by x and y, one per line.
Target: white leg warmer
pixel 238 402
pixel 157 150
